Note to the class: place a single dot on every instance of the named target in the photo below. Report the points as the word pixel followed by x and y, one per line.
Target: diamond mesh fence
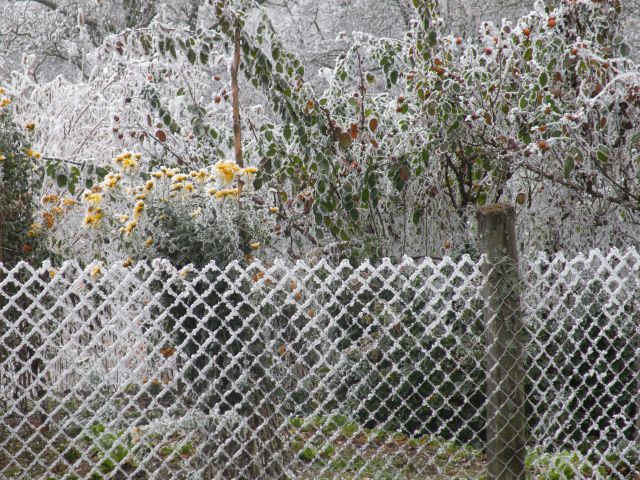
pixel 395 370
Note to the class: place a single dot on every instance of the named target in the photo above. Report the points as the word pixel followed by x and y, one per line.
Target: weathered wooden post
pixel 506 442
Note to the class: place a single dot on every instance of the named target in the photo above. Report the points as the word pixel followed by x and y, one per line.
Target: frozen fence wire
pixel 311 371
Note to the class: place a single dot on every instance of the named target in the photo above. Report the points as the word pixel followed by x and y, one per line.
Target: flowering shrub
pixel 190 217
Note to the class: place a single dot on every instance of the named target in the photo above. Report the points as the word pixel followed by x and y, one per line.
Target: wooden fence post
pixel 506 421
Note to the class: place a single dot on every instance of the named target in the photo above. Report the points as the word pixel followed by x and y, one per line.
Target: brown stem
pixel 235 94
pixel 305 232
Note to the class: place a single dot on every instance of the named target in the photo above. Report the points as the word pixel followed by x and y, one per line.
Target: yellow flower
pixel 111 180
pixel 138 209
pixel 212 191
pixel 157 174
pixel 226 171
pixel 274 209
pixel 5 102
pixel 123 218
pixel 149 185
pixel 179 178
pixel 2 158
pixel 2 91
pixel 52 273
pixel 127 263
pixel 129 227
pixel 29 152
pixel 227 192
pixel 96 271
pixel 49 221
pixel 69 202
pixel 200 176
pixel 93 217
pixel 127 161
pixel 141 196
pixel 177 186
pixel 57 210
pixel 52 198
pixel 30 126
pixel 188 187
pixel 249 171
pixel 129 164
pixel 255 245
pixel 148 242
pixel 196 213
pixel 34 230
pixel 93 198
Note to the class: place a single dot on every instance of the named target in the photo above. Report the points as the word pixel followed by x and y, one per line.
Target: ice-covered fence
pixel 311 371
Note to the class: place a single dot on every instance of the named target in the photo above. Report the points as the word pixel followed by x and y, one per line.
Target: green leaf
pixel 287 132
pixel 569 165
pixel 634 138
pixel 543 79
pixel 191 56
pixel 603 153
pixel 101 172
pixel 204 58
pixel 432 39
pixel 416 216
pixel 625 50
pixel 528 54
pixel 61 179
pixel 172 48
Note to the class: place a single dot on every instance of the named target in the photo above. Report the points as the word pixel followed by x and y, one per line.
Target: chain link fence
pixel 394 370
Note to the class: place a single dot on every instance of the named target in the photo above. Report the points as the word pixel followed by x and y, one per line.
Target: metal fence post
pixel 506 421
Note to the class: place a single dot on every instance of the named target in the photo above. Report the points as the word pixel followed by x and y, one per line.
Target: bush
pixel 20 181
